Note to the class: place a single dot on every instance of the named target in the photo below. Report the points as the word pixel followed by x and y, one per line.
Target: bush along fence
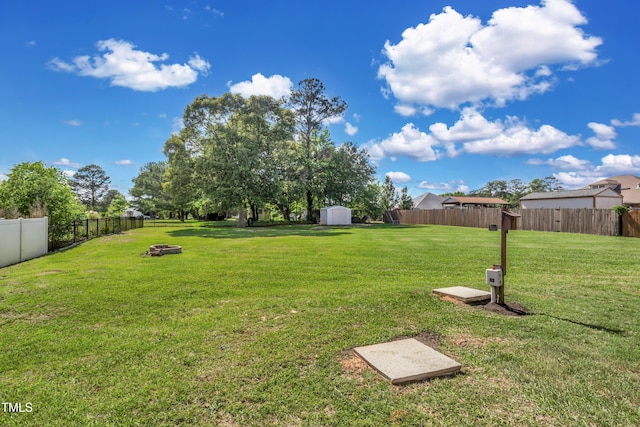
pixel 61 236
pixel 587 221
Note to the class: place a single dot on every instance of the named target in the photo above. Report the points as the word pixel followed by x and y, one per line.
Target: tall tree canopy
pixel 312 108
pixel 32 189
pixel 178 179
pixel 406 202
pixel 90 183
pixel 105 202
pixel 390 197
pixel 235 152
pixel 148 194
pixel 340 173
pixel 512 191
pixel 239 144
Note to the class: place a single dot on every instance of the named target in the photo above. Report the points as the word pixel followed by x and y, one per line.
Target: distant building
pixel 592 198
pixel 132 213
pixel 428 201
pixel 473 202
pixel 627 185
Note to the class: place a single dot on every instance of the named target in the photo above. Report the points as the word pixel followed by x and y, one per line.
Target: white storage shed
pixel 335 215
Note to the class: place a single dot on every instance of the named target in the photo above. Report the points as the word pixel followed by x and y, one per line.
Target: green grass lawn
pixel 255 326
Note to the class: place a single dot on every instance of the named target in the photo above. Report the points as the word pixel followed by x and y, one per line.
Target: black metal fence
pixel 61 236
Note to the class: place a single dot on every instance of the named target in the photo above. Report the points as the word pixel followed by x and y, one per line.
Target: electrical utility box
pixel 494 277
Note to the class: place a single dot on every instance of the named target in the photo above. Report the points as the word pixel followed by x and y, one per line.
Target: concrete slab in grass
pixel 464 294
pixel 407 360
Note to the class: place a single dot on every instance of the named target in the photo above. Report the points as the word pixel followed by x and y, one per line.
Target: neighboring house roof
pixel 567 194
pixel 603 182
pixel 629 187
pixel 459 200
pixel 427 200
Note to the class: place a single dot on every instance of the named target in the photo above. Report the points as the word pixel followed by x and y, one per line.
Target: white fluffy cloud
pixel 409 142
pixel 445 187
pixel 635 121
pixel 123 162
pixel 399 177
pixel 620 164
pixel 472 125
pixel 74 123
pixel 604 136
pixel 576 172
pixel 127 67
pixel 454 60
pixel 474 134
pixel 516 139
pixel 563 162
pixel 276 86
pixel 66 163
pixel 350 129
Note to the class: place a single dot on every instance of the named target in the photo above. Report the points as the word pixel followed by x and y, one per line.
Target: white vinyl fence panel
pixel 23 239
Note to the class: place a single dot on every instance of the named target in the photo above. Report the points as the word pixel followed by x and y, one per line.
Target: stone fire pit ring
pixel 159 250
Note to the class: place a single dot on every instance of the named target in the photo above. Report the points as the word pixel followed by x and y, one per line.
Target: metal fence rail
pixel 61 236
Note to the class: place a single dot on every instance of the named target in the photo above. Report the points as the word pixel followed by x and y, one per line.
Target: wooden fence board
pixel 631 224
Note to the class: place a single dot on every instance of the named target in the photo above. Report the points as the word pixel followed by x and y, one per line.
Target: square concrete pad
pixel 464 294
pixel 407 360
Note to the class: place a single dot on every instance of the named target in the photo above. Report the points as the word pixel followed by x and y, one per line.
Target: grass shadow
pixel 253 232
pixel 587 325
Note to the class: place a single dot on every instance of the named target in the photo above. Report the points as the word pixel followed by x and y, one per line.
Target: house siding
pixel 568 203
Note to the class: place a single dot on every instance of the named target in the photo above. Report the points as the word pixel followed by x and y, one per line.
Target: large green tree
pixel 405 200
pixel 313 108
pixel 389 194
pixel 237 142
pixel 340 174
pixel 148 194
pixel 90 183
pixel 117 206
pixel 368 202
pixel 32 189
pixel 548 183
pixel 105 202
pixel 178 181
pixel 512 191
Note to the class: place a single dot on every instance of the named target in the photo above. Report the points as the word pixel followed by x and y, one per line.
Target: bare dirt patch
pixel 24 317
pixel 452 299
pixel 508 309
pixel 352 365
pixel 465 340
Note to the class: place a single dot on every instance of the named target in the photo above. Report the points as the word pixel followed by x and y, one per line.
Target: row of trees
pixel 237 153
pixel 234 154
pixel 512 191
pixel 33 190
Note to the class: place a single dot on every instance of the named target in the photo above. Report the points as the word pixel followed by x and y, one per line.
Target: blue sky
pixel 445 95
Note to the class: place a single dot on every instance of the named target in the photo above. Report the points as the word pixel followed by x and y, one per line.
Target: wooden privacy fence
pixel 587 221
pixel 631 224
pixel 479 218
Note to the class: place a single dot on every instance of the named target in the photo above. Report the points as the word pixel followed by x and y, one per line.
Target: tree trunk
pixel 310 217
pixel 241 218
